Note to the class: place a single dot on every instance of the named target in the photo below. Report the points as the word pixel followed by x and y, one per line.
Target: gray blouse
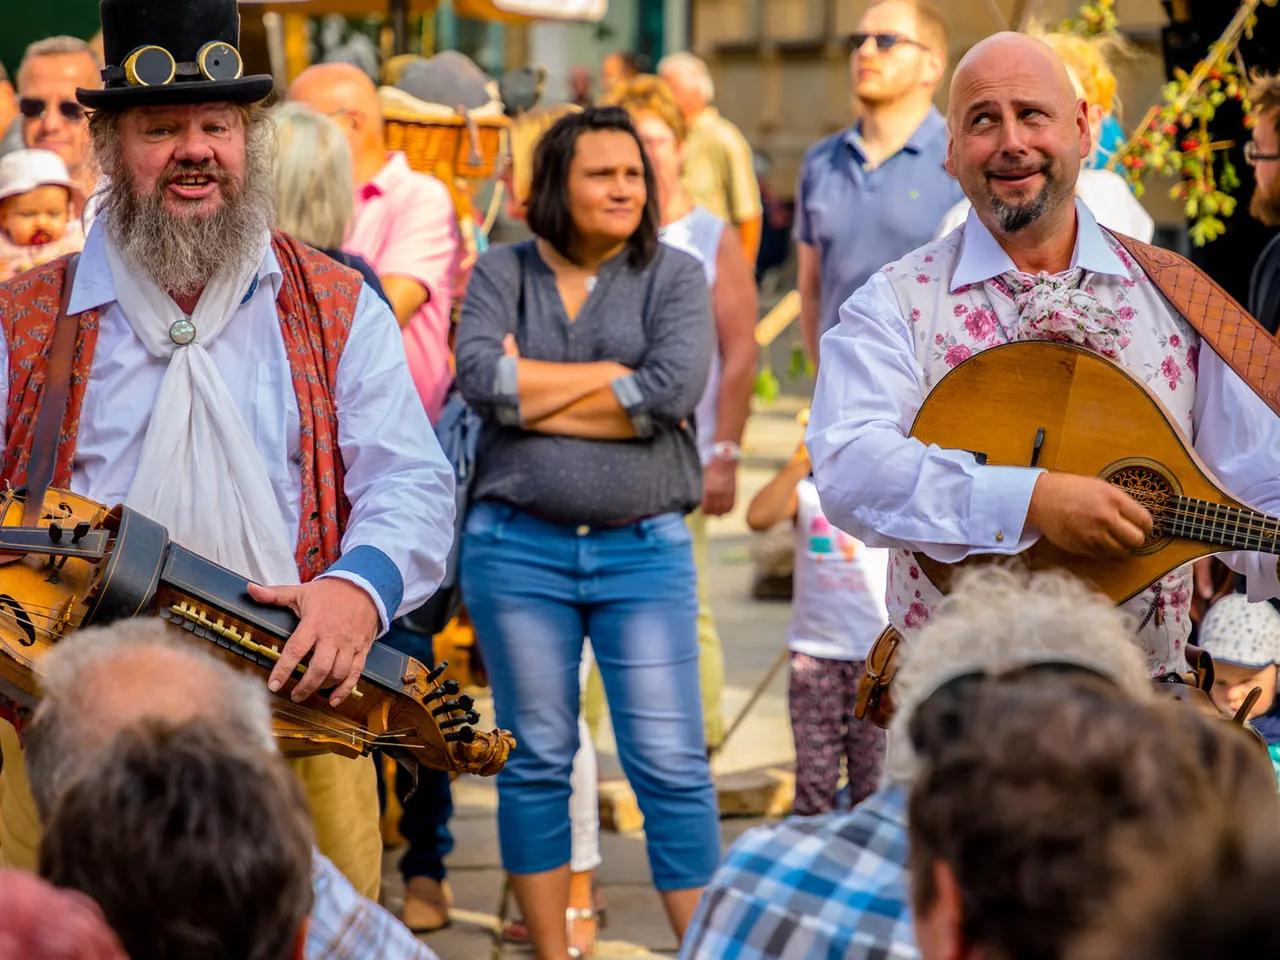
pixel 655 320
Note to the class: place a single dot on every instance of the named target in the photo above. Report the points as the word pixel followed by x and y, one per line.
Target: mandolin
pixel 81 564
pixel 1063 408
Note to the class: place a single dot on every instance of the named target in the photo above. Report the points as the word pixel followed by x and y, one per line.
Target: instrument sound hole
pixel 1152 486
pixel 20 618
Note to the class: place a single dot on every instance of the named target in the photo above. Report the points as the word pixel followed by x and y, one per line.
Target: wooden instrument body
pixel 1097 420
pixel 398 704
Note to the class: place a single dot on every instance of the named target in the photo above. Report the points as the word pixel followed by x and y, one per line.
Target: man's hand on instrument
pixel 337 622
pixel 1087 516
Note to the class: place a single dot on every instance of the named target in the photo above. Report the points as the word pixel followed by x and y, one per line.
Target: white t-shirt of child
pixel 838 606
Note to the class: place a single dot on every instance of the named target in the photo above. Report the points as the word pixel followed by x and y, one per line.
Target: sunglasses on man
pixel 33 108
pixel 884 41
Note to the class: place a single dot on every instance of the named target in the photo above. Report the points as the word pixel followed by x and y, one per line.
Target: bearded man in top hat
pixel 233 384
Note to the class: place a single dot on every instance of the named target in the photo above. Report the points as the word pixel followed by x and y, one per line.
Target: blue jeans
pixel 535 590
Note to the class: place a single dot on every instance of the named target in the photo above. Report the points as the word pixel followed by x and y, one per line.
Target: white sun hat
pixel 1237 631
pixel 24 170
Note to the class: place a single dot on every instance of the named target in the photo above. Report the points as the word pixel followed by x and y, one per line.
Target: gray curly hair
pixel 999 620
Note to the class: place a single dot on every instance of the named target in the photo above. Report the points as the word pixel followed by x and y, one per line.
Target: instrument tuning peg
pixel 55 532
pixel 447 707
pixel 465 735
pixel 446 689
pixel 438 669
pixel 465 702
pixel 81 531
pixel 466 718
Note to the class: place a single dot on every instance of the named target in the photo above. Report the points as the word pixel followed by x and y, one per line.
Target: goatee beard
pixel 1018 216
pixel 183 253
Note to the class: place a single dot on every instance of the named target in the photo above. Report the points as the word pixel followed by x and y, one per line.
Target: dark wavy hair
pixel 548 212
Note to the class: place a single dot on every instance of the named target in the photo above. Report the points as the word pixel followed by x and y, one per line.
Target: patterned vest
pixel 316 305
pixel 950 327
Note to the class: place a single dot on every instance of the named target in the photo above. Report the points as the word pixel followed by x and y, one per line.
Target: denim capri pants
pixel 535 589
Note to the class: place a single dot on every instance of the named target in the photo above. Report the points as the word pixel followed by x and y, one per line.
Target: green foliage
pixel 767 385
pixel 1095 18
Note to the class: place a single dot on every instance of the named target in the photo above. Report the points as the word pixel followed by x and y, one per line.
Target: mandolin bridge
pixel 191 617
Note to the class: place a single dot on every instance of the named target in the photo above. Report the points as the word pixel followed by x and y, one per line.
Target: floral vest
pixel 317 304
pixel 1159 347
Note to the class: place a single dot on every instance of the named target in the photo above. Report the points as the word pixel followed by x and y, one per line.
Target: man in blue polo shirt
pixel 874 192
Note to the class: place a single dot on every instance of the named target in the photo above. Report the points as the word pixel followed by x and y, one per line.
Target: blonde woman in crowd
pixel 314 196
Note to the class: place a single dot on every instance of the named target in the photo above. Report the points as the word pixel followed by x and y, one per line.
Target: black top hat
pixel 172 51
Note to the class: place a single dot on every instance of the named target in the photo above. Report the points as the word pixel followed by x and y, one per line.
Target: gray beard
pixel 183 253
pixel 1015 217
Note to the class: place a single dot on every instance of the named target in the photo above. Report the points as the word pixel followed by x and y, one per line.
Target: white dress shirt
pixel 890 490
pixel 398 481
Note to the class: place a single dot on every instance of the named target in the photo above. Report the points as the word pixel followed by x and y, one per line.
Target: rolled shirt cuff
pixel 506 390
pixel 631 400
pixel 372 571
pixel 998 508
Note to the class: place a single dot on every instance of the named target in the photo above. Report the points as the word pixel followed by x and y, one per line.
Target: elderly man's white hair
pixel 695 66
pixel 997 620
pixel 97 682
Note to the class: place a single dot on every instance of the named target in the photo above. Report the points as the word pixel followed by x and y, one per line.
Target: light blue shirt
pixel 398 481
pixel 891 490
pixel 859 219
pixel 345 926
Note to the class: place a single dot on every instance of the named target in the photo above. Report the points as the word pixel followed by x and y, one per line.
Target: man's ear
pixel 1082 126
pixel 934 68
pixel 949 162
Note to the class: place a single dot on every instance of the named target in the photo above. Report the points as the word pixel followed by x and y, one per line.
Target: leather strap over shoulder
pixel 53 405
pixel 1243 344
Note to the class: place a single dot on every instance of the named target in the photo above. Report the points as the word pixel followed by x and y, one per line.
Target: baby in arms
pixel 40 211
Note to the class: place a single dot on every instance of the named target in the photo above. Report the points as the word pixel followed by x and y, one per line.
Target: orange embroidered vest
pixel 316 306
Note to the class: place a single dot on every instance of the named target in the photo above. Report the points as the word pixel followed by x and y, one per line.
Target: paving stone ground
pixel 753 632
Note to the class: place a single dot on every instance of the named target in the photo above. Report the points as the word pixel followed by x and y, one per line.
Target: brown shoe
pixel 426 905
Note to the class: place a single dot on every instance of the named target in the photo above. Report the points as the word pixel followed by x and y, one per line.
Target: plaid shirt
pixel 812 887
pixel 346 926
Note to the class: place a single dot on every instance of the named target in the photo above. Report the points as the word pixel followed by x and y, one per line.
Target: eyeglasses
pixel 33 108
pixel 884 41
pixel 1252 157
pixel 152 66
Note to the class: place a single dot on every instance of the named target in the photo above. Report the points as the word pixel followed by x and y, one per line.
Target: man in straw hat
pixel 238 387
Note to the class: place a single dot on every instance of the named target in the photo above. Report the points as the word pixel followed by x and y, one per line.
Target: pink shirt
pixel 404 225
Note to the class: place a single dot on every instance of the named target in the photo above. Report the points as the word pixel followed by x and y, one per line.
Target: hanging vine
pixel 1174 138
pixel 1094 19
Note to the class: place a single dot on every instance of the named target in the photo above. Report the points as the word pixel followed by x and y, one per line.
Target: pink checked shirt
pixel 404 225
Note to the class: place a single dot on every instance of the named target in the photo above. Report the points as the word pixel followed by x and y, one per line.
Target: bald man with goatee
pixel 1029 251
pixel 404 223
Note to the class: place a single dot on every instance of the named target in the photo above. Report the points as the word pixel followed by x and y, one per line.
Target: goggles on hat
pixel 153 66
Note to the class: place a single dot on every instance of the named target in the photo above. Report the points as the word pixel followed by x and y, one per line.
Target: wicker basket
pixel 444 146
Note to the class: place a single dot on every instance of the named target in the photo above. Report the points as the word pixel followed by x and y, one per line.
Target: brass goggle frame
pixel 215 61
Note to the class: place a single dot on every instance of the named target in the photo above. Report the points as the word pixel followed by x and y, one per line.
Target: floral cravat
pixel 1055 307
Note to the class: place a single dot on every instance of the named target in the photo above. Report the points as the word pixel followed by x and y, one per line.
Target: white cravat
pixel 199 472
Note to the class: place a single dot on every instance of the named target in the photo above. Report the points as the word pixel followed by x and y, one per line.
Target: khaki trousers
pixel 342 796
